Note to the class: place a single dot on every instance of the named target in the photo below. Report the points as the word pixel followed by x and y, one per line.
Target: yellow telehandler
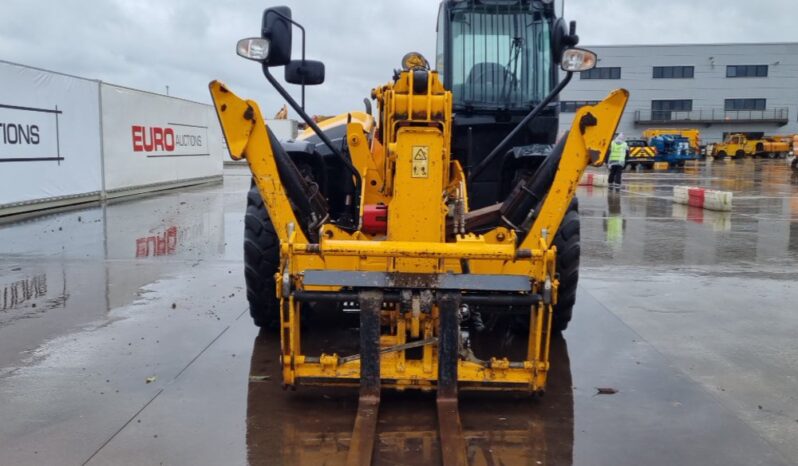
pixel 452 204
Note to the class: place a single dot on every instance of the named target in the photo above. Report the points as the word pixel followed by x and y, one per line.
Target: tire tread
pixel 261 261
pixel 569 251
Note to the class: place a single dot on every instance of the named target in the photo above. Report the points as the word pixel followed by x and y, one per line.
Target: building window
pixel 747 71
pixel 613 72
pixel 744 104
pixel 681 105
pixel 663 109
pixel 673 72
pixel 571 106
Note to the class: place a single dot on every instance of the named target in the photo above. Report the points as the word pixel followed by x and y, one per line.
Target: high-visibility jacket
pixel 618 153
pixel 615 229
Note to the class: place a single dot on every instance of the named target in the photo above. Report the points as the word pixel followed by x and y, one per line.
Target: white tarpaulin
pixel 150 138
pixel 49 135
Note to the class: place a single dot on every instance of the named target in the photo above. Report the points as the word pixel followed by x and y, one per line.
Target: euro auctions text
pixel 166 138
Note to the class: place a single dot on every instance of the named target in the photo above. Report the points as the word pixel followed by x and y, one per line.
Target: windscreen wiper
pixel 515 50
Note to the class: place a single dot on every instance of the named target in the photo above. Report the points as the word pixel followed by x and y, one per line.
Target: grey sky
pixel 149 44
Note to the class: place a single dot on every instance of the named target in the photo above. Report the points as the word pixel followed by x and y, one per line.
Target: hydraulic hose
pixel 530 116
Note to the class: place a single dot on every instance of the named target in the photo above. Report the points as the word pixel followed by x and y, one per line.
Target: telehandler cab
pixel 451 205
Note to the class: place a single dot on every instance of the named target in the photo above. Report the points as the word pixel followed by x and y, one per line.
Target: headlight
pixel 575 60
pixel 253 48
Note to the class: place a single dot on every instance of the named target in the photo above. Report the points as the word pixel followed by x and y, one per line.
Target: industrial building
pixel 717 88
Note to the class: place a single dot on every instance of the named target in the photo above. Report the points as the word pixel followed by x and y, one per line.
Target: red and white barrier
pixel 718 221
pixel 594 179
pixel 703 198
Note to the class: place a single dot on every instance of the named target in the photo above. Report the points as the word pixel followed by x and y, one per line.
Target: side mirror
pixel 563 36
pixel 276 29
pixel 307 72
pixel 575 60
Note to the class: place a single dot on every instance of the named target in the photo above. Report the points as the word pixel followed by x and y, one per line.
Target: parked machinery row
pixel 676 146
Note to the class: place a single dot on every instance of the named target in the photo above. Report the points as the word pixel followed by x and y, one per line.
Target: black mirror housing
pixel 307 72
pixel 276 27
pixel 563 36
pixel 558 34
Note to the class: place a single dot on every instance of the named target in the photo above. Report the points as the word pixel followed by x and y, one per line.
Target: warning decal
pixel 420 168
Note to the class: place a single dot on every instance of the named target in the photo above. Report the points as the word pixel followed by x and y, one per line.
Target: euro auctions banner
pixel 49 135
pixel 29 134
pixel 150 138
pixel 175 140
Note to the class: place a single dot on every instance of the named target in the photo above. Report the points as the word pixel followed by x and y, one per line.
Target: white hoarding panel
pixel 49 135
pixel 152 139
pixel 283 129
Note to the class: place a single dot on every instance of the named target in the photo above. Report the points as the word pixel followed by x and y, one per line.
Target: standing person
pixel 617 160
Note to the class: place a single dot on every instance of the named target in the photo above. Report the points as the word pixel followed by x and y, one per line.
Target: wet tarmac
pixel 125 339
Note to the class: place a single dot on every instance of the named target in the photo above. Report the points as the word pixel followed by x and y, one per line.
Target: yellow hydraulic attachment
pixel 411 171
pixel 415 280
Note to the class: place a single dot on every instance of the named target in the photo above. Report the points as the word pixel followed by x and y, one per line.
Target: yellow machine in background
pixel 794 154
pixel 403 249
pixel 739 145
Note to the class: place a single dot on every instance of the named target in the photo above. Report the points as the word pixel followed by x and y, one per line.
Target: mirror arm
pixel 312 124
pixel 535 111
pixel 301 28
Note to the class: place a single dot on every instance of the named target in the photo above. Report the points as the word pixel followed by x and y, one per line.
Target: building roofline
pixel 691 44
pixel 101 82
pixel 157 94
pixel 21 65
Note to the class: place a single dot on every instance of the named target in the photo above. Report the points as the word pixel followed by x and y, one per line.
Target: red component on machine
pixel 375 219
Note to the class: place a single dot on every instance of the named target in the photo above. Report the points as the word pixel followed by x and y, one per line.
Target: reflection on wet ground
pixel 124 339
pixel 314 425
pixel 712 291
pixel 641 226
pixel 103 307
pixel 658 415
pixel 63 270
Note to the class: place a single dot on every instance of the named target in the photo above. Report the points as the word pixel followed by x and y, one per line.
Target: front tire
pixel 569 251
pixel 261 262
